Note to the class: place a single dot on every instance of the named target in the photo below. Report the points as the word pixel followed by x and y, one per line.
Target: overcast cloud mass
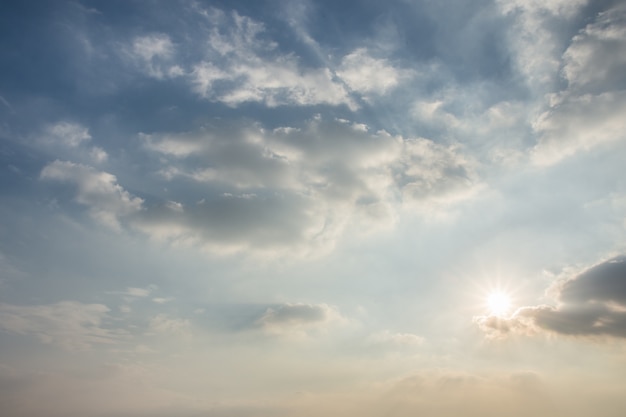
pixel 307 208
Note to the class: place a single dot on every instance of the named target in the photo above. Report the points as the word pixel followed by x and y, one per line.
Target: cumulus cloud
pixel 68 324
pixel 107 200
pixel 592 303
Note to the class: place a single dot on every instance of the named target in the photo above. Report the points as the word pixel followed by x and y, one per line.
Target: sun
pixel 499 303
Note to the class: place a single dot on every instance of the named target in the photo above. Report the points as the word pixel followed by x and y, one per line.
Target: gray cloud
pixel 299 186
pixel 592 303
pixel 297 318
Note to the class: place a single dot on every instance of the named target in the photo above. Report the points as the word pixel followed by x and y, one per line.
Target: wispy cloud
pixel 73 138
pixel 154 54
pixel 70 325
pixel 243 66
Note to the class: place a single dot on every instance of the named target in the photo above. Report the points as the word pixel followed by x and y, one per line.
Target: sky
pixel 312 208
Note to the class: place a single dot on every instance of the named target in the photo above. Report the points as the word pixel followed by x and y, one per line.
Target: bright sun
pixel 499 303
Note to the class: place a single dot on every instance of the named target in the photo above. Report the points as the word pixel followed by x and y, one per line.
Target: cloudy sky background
pixel 300 208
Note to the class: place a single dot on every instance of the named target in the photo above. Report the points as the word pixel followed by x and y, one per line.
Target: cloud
pixel 69 324
pixel 154 54
pixel 596 59
pixel 244 66
pixel 70 139
pixel 298 187
pixel 107 201
pixel 579 123
pixel 68 134
pixel 592 303
pixel 589 112
pixel 430 172
pixel 137 292
pixel 365 74
pixel 533 39
pixel 396 339
pixel 163 324
pixel 298 318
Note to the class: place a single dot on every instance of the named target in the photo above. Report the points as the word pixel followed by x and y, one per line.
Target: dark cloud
pixel 605 282
pixel 592 303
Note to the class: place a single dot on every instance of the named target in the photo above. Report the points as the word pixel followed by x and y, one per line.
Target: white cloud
pixel 72 138
pixel 536 45
pixel 162 300
pixel 137 292
pixel 98 155
pixel 365 74
pixel 433 112
pixel 149 47
pixel 107 200
pixel 242 66
pixel 154 54
pixel 67 133
pixel 68 324
pixel 565 8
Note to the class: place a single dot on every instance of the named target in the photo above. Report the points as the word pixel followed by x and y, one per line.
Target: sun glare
pixel 499 303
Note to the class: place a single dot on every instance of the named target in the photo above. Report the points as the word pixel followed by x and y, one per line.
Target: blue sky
pixel 302 208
